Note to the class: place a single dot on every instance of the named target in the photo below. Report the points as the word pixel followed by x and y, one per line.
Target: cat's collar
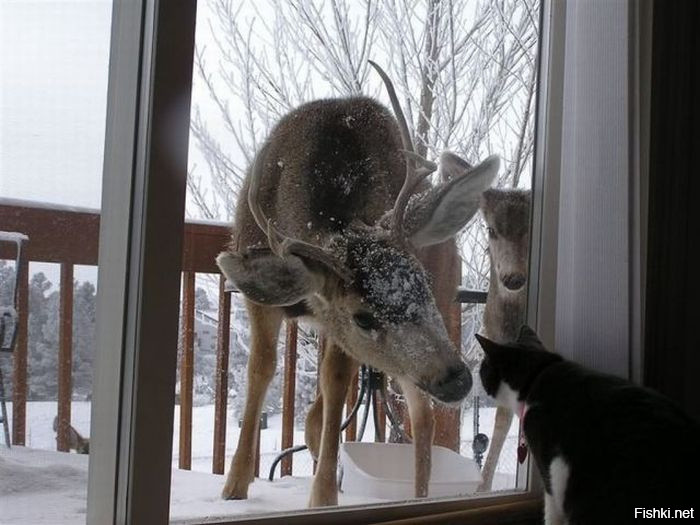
pixel 522 410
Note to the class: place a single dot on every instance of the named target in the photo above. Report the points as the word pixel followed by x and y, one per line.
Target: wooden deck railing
pixel 69 237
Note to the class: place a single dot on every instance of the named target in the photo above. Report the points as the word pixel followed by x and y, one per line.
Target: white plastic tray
pixel 386 471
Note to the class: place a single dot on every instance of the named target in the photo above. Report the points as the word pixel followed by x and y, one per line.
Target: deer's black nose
pixel 454 385
pixel 513 281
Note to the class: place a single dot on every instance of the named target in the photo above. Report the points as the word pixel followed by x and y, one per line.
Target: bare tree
pixel 464 68
pixel 465 71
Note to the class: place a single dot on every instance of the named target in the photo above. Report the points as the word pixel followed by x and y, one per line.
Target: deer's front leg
pixel 264 325
pixel 501 426
pixel 313 426
pixel 336 371
pixel 422 427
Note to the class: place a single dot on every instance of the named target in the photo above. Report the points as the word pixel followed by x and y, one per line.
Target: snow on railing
pixel 13 237
pixel 46 225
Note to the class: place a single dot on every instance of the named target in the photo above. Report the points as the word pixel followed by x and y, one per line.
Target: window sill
pixel 503 508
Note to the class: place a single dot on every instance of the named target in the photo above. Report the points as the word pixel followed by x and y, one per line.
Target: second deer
pixel 507 215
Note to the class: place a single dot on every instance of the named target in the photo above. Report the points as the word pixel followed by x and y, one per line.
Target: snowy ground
pixel 59 482
pixel 61 479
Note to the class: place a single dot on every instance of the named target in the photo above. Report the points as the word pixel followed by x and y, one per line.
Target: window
pixel 250 64
pixel 466 75
pixel 467 78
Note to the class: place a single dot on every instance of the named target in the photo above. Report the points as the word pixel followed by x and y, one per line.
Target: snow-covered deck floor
pixel 40 486
pixel 45 487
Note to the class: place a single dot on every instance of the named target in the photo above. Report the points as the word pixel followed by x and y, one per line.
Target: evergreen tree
pixel 84 307
pixel 201 299
pixel 7 279
pixel 42 359
pixel 43 336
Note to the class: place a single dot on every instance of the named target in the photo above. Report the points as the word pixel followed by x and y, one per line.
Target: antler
pixel 280 244
pixel 413 175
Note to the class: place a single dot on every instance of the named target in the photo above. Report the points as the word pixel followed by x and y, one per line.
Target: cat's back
pixel 615 404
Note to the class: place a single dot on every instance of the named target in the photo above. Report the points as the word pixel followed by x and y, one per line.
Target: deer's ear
pixel 527 337
pixel 443 211
pixel 268 279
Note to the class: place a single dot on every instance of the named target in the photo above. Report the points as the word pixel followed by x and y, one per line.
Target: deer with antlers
pixel 330 217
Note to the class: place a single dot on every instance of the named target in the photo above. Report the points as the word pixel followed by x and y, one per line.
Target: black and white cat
pixel 603 446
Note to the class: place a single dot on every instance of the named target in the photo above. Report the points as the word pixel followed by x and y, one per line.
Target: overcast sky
pixel 53 62
pixel 53 87
pixel 54 59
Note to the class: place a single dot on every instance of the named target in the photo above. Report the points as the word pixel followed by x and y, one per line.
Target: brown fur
pixel 507 214
pixel 376 131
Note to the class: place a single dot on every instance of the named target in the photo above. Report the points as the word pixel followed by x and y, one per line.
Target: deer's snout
pixel 513 281
pixel 454 385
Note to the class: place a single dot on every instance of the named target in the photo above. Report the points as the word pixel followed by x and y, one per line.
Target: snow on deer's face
pixel 507 215
pixel 388 319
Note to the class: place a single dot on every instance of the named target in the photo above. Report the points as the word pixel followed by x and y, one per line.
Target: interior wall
pixel 672 340
pixel 593 297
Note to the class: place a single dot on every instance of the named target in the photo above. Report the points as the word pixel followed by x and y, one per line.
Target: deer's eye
pixel 365 320
pixel 492 232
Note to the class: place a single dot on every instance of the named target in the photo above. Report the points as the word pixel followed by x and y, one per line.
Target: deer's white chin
pixel 436 400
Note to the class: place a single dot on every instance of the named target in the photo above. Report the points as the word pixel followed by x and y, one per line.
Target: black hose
pixel 375 415
pixel 368 389
pixel 346 423
pixel 281 455
pixel 358 402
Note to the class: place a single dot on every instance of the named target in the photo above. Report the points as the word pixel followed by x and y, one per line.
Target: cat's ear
pixel 490 347
pixel 528 338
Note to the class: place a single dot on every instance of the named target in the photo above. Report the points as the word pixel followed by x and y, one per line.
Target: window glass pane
pixel 465 76
pixel 53 87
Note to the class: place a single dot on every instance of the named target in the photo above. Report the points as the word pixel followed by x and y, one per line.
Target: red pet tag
pixel 522 451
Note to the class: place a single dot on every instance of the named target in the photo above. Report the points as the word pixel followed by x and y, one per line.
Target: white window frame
pixel 141 230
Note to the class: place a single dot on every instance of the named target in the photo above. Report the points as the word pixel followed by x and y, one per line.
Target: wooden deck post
pixel 186 372
pixel 320 351
pixel 380 432
pixel 19 370
pixel 221 388
pixel 65 357
pixel 351 431
pixel 257 453
pixel 290 374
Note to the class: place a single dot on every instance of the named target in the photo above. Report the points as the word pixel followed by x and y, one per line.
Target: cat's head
pixel 508 370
